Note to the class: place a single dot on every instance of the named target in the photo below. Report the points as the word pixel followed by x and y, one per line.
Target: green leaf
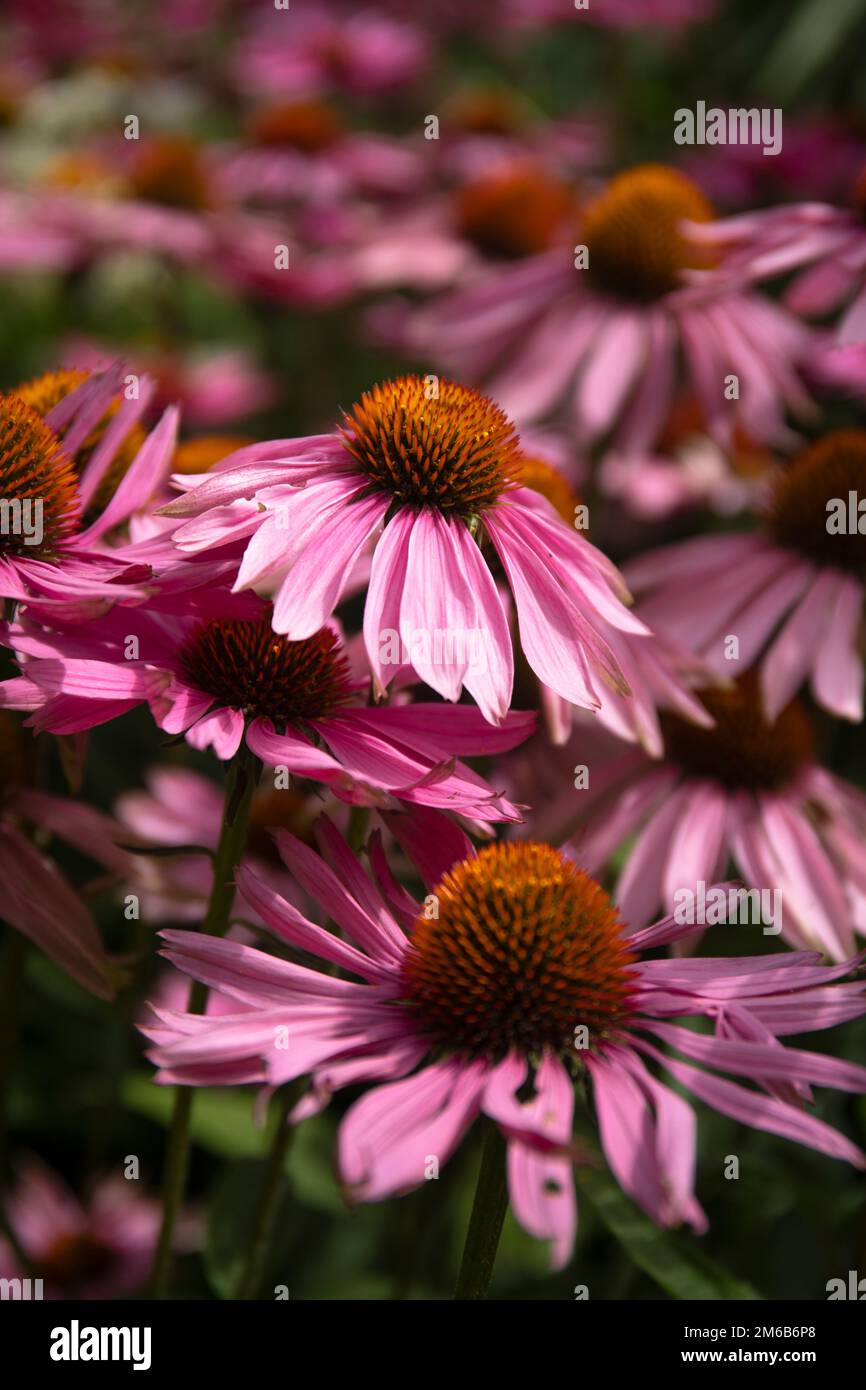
pixel 311 1166
pixel 221 1122
pixel 672 1260
pixel 232 1213
pixel 817 30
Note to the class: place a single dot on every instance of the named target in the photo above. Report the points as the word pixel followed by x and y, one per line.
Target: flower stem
pixel 14 955
pixel 485 1223
pixel 241 783
pixel 359 822
pixel 254 1265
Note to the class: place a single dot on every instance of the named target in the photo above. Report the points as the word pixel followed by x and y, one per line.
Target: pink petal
pixel 837 676
pixel 389 1136
pixel 53 916
pixel 385 594
pixel 788 660
pixel 315 583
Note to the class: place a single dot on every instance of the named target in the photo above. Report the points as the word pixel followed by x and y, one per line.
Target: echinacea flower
pixel 305 51
pixel 74 466
pixel 511 212
pixel 165 196
pixel 791 595
pixel 746 791
pixel 211 668
pixel 99 1247
pixel 830 240
pixel 429 473
pixel 299 151
pixel 517 978
pixel 614 324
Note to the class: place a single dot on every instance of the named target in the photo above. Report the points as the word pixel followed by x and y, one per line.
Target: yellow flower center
pixel 815 504
pixel 518 948
pixel 430 442
pixel 632 229
pixel 516 213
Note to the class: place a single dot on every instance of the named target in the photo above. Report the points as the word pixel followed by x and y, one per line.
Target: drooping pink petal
pixel 627 1132
pixel 432 841
pixel 790 657
pixel 388 1137
pixel 315 583
pixel 541 1187
pixel 761 1111
pixel 222 730
pixel 614 362
pixel 39 903
pixel 838 675
pixel 385 598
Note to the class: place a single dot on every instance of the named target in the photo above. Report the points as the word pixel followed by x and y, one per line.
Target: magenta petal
pixel 315 583
pixel 762 1111
pixel 54 917
pixel 384 599
pixel 388 1137
pixel 541 1187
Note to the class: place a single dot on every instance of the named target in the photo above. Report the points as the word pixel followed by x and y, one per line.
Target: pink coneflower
pixel 217 672
pixel 513 211
pixel 768 243
pixel 429 471
pixel 791 596
pixel 523 979
pixel 165 196
pixel 298 150
pixel 74 466
pixel 304 51
pixel 100 1247
pixel 607 328
pixel 746 792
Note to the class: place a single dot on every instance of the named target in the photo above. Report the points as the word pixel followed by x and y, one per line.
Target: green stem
pixel 485 1223
pixel 359 822
pixel 14 957
pixel 240 785
pixel 254 1265
pixel 15 948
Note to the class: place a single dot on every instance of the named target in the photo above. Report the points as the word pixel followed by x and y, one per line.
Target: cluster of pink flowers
pixel 472 763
